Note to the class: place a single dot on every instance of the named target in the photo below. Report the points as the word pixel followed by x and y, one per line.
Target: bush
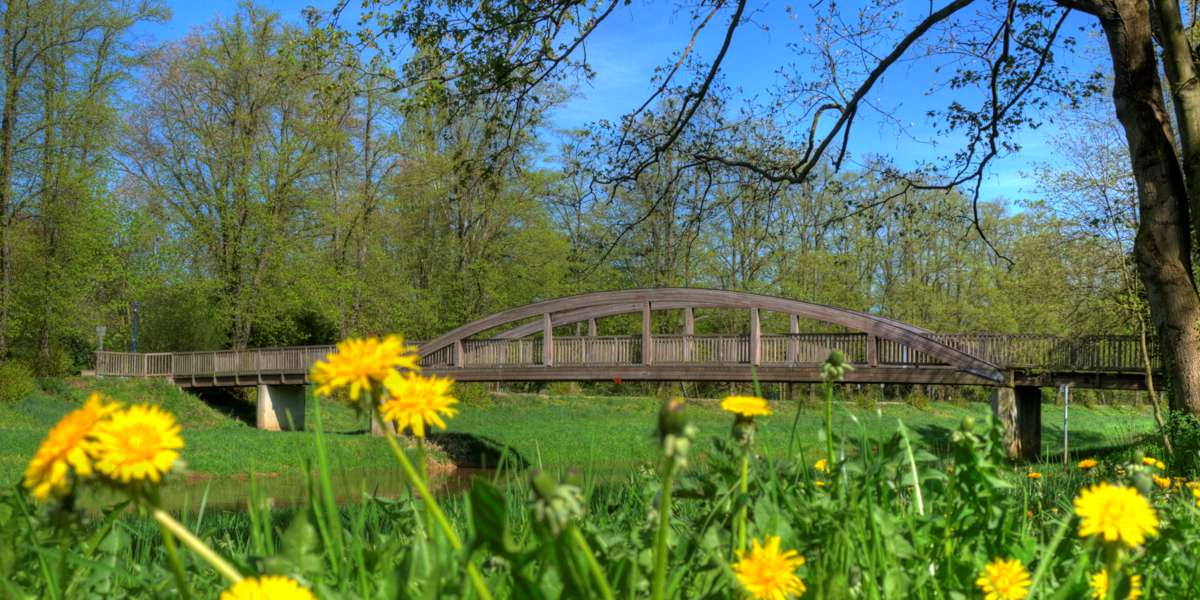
pixel 918 400
pixel 868 398
pixel 562 388
pixel 16 381
pixel 473 394
pixel 1184 431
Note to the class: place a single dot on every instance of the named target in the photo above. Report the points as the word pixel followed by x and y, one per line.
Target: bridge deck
pixel 1090 361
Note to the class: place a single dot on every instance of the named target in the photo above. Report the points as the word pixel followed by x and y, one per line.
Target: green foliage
pixel 1183 430
pixel 16 381
pixel 475 395
pixel 917 399
pixel 889 520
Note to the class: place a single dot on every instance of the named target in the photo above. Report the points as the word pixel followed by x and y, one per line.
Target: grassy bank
pixel 221 439
pixel 608 435
pixel 612 434
pixel 890 521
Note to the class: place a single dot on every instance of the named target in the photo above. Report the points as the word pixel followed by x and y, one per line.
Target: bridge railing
pixel 128 364
pixel 1028 352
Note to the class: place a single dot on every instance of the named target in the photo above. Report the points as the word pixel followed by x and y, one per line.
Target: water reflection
pixel 286 490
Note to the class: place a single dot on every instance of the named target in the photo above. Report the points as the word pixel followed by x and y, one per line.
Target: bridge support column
pixel 377 428
pixel 1019 411
pixel 280 407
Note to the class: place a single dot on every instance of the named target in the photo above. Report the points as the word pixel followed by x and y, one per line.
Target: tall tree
pixel 225 142
pixel 63 65
pixel 1004 75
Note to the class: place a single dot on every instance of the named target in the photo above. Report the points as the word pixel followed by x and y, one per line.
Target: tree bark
pixel 1162 248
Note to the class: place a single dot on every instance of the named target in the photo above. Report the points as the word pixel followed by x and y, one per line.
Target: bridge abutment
pixel 280 407
pixel 1018 409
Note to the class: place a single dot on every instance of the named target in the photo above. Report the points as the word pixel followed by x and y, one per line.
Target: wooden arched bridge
pixel 527 344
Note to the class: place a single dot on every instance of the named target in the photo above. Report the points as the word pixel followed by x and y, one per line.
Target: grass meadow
pixel 912 502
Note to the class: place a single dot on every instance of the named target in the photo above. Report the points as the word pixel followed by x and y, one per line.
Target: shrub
pixel 16 381
pixel 562 388
pixel 472 394
pixel 918 400
pixel 1184 431
pixel 868 397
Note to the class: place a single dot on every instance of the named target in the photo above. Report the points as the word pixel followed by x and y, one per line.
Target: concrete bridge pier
pixel 1019 411
pixel 280 407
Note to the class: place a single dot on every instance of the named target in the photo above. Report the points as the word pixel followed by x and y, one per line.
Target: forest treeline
pixel 258 184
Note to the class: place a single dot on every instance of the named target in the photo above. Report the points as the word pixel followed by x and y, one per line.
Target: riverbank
pixel 607 437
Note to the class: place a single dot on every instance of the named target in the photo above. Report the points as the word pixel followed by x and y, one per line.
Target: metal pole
pixel 1066 392
pixel 135 320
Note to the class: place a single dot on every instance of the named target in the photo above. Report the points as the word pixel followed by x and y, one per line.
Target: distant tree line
pixel 260 183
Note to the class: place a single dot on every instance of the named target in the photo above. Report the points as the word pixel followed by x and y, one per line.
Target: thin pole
pixel 1066 392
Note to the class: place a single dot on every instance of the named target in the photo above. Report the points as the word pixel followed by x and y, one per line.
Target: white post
pixel 1066 392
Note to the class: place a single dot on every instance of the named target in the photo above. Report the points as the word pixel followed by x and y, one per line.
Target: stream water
pixel 290 490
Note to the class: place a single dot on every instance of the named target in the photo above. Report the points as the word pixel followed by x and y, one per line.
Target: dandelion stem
pixel 431 507
pixel 829 421
pixel 593 564
pixel 176 565
pixel 423 470
pixel 745 488
pixel 196 545
pixel 659 583
pixel 912 465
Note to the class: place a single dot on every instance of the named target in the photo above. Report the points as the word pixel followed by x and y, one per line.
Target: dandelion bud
pixel 555 505
pixel 671 418
pixel 675 431
pixel 835 367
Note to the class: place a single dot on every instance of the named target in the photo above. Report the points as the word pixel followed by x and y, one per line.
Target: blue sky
pixel 637 38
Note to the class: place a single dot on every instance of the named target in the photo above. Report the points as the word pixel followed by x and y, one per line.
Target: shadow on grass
pixel 1093 444
pixel 477 452
pixel 231 402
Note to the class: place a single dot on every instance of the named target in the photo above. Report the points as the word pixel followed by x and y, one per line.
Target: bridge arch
pixel 584 307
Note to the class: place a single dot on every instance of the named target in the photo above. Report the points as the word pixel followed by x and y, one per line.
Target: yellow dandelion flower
pixel 746 406
pixel 358 363
pixel 1099 585
pixel 1162 482
pixel 1087 463
pixel 1196 495
pixel 767 573
pixel 267 587
pixel 822 484
pixel 821 465
pixel 70 445
pixel 1115 513
pixel 416 402
pixel 1150 461
pixel 1034 475
pixel 1004 580
pixel 138 443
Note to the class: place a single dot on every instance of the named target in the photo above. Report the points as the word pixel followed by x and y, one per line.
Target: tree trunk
pixel 1162 248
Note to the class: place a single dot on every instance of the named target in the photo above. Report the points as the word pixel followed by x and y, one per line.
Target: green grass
pixel 220 446
pixel 861 518
pixel 611 435
pixel 606 436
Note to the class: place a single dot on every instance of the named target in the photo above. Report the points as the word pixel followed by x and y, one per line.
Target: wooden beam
pixel 547 340
pixel 1019 411
pixel 872 350
pixel 708 372
pixel 459 355
pixel 689 330
pixel 793 350
pixel 647 340
pixel 916 338
pixel 755 338
pixel 589 341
